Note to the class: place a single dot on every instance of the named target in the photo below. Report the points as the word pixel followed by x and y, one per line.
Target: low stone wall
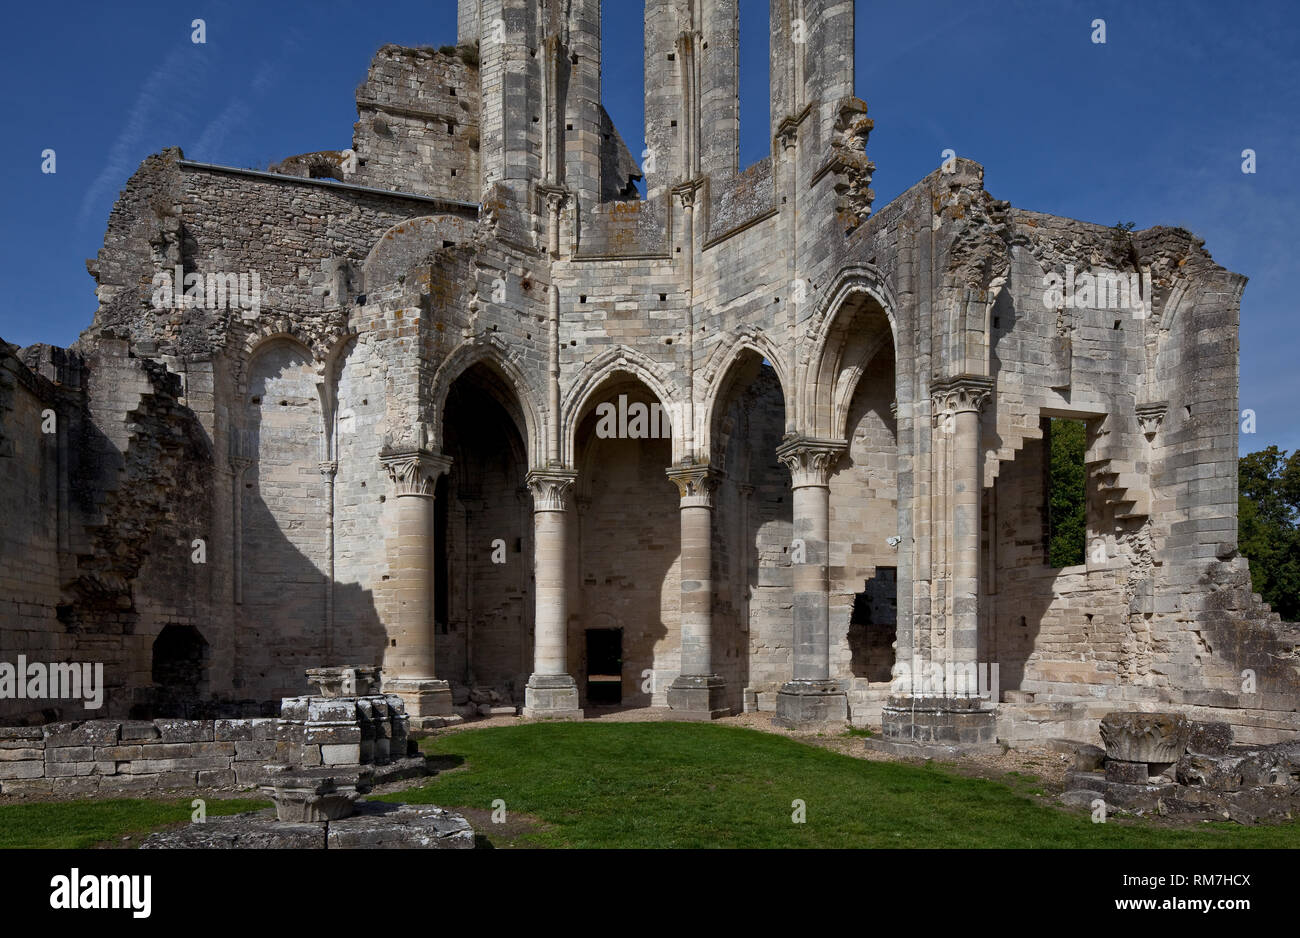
pixel 78 759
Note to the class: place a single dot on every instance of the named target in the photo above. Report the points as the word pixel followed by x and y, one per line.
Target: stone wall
pixel 106 756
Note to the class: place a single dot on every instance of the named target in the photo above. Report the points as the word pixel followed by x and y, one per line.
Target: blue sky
pixel 1148 127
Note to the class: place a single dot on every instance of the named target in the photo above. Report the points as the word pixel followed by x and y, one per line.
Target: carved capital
pixel 555 197
pixel 238 464
pixel 686 192
pixel 414 472
pixel 1151 416
pixel 550 488
pixel 695 484
pixel 965 393
pixel 810 461
pixel 329 469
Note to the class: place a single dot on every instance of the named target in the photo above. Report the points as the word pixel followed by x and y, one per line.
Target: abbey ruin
pixel 392 405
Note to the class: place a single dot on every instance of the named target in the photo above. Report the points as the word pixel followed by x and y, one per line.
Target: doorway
pixel 604 667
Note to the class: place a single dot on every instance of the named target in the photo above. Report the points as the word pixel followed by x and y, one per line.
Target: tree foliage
pixel 1067 493
pixel 1268 512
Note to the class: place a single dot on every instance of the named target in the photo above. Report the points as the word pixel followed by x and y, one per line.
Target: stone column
pixel 697 693
pixel 812 697
pixel 409 660
pixel 959 403
pixel 551 693
pixel 940 700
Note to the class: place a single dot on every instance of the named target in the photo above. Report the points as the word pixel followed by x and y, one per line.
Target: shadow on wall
pixel 629 543
pixel 283 625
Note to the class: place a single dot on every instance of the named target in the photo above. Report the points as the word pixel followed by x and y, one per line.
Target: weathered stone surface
pixel 380 825
pixel 1210 738
pixel 240 832
pixel 913 339
pixel 1145 737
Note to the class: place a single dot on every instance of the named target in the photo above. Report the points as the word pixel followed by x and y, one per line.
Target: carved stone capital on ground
pixel 1144 737
pixel 810 461
pixel 695 484
pixel 1151 416
pixel 963 393
pixel 415 472
pixel 551 488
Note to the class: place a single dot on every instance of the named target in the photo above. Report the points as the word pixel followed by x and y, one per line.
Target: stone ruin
pixel 394 452
pixel 331 749
pixel 1165 764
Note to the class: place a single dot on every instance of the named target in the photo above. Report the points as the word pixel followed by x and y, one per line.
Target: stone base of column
pixel 802 704
pixel 698 697
pixel 551 697
pixel 939 720
pixel 427 701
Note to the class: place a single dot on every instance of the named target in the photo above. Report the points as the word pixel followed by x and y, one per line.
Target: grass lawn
pixel 702 785
pixel 81 824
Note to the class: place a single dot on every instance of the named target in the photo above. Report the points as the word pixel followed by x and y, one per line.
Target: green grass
pixel 702 785
pixel 81 824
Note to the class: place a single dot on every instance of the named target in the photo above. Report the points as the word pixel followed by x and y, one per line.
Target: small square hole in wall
pixel 453 172
pixel 997 322
pixel 1117 323
pixel 663 297
pixel 568 126
pixel 452 92
pixel 672 57
pixel 582 298
pixel 536 119
pixel 672 124
pixel 574 58
pixel 1187 409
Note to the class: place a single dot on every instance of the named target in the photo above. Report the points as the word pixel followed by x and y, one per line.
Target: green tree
pixel 1067 493
pixel 1268 532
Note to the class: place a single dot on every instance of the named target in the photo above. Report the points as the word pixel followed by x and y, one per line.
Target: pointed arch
pixel 492 351
pixel 719 374
pixel 855 321
pixel 620 360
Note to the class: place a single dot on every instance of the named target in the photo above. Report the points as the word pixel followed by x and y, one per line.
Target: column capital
pixel 328 468
pixel 415 472
pixel 962 393
pixel 695 484
pixel 1150 416
pixel 550 488
pixel 810 461
pixel 686 192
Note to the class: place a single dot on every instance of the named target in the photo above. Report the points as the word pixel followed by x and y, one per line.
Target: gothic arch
pixel 717 376
pixel 837 355
pixel 620 360
pixel 489 350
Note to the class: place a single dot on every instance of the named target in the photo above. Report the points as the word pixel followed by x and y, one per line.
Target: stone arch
pixel 490 351
pixel 719 375
pixel 620 360
pixel 857 319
